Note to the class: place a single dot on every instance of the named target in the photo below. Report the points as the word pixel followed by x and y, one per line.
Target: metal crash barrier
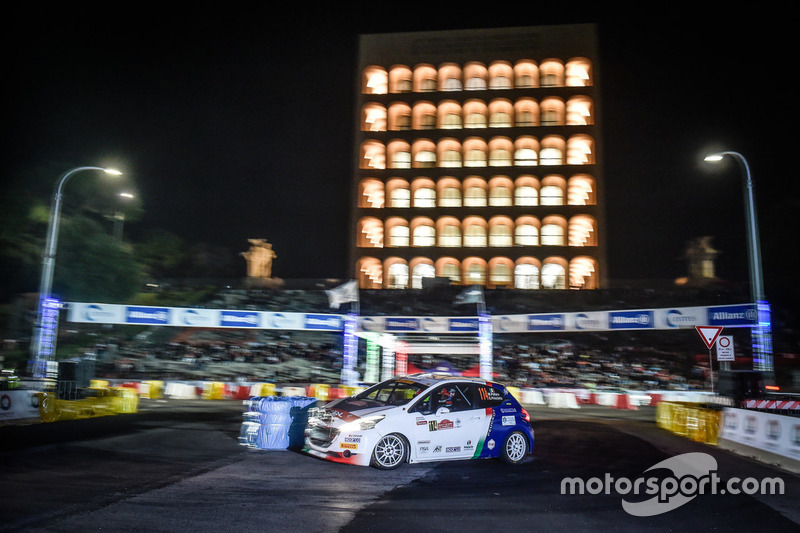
pixel 107 401
pixel 689 420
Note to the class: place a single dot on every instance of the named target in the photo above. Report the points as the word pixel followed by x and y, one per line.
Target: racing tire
pixel 390 452
pixel 515 448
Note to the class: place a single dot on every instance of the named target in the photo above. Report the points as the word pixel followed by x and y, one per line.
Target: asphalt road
pixel 177 466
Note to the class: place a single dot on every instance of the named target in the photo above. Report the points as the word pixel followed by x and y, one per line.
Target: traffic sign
pixel 725 348
pixel 709 334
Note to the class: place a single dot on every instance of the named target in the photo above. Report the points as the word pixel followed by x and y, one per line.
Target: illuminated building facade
pixel 478 159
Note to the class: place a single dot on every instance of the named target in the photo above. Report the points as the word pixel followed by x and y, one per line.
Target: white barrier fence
pixel 18 404
pixel 775 434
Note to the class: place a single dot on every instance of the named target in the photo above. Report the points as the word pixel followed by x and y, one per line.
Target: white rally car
pixel 421 417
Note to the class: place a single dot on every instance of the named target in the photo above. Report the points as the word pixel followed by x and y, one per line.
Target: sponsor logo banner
pixel 551 322
pixel 147 315
pixel 630 320
pixel 733 315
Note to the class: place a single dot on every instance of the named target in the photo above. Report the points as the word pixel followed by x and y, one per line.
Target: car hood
pixel 349 409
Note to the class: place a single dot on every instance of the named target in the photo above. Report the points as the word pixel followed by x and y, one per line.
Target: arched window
pixel 401 159
pixel 499 157
pixel 452 271
pixel 400 197
pixel 526 195
pixel 450 197
pixel 475 236
pixel 421 270
pixel 424 235
pixel 500 236
pixel 578 72
pixel 579 111
pixel 526 276
pixel 526 235
pixel 500 196
pixel 373 117
pixel 476 274
pixel 582 231
pixel 525 157
pixel 425 197
pixel 450 236
pixel 553 276
pixel 371 193
pixel 369 273
pixel 551 195
pixel 375 80
pixel 373 155
pixel 500 275
pixel 580 150
pixel 451 121
pixel 552 235
pixel 475 196
pixel 551 156
pixel 398 236
pixel 580 190
pixel 450 159
pixel 400 79
pixel 397 276
pixel 370 234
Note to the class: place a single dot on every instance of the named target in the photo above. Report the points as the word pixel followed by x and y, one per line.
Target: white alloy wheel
pixel 515 448
pixel 390 452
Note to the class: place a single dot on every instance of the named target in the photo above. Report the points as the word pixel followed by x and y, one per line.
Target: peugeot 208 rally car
pixel 421 417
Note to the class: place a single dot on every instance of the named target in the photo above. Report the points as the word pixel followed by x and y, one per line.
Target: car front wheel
pixel 390 452
pixel 515 448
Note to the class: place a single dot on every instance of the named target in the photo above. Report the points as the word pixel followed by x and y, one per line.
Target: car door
pixel 448 423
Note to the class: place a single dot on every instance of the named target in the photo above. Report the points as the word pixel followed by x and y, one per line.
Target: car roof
pixel 432 378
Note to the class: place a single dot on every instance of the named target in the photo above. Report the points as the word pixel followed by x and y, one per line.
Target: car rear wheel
pixel 515 448
pixel 390 452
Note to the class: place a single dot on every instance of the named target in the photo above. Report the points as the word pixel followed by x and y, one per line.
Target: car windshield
pixel 394 392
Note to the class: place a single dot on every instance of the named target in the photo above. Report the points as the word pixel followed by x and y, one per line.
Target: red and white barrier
pixel 772 404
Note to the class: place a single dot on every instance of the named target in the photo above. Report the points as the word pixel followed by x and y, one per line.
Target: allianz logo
pixel 400 323
pixel 241 319
pixel 642 319
pixel 553 321
pixel 332 322
pixel 749 315
pixel 148 315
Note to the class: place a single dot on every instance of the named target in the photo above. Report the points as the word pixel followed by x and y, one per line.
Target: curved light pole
pixel 762 341
pixel 42 352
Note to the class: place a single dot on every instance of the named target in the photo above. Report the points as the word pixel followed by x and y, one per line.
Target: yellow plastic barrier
pixel 213 391
pixel 515 392
pixel 319 391
pixel 124 400
pixel 108 402
pixel 155 390
pixel 265 389
pixel 98 384
pixel 689 420
pixel 351 390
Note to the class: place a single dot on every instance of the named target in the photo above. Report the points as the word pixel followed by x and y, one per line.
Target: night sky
pixel 236 125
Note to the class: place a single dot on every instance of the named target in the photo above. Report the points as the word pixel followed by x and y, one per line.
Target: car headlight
pixel 362 424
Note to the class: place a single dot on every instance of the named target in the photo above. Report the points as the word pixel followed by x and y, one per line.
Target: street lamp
pixel 42 349
pixel 762 338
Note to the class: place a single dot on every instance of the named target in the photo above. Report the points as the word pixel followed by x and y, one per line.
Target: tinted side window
pixel 489 396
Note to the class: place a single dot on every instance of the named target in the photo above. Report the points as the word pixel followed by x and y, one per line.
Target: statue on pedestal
pixel 259 259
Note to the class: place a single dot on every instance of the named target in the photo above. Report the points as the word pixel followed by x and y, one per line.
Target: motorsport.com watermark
pixel 693 474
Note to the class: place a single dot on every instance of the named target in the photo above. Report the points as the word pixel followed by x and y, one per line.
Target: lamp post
pixel 40 353
pixel 119 217
pixel 762 337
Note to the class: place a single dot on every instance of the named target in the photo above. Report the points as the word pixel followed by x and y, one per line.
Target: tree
pixel 93 266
